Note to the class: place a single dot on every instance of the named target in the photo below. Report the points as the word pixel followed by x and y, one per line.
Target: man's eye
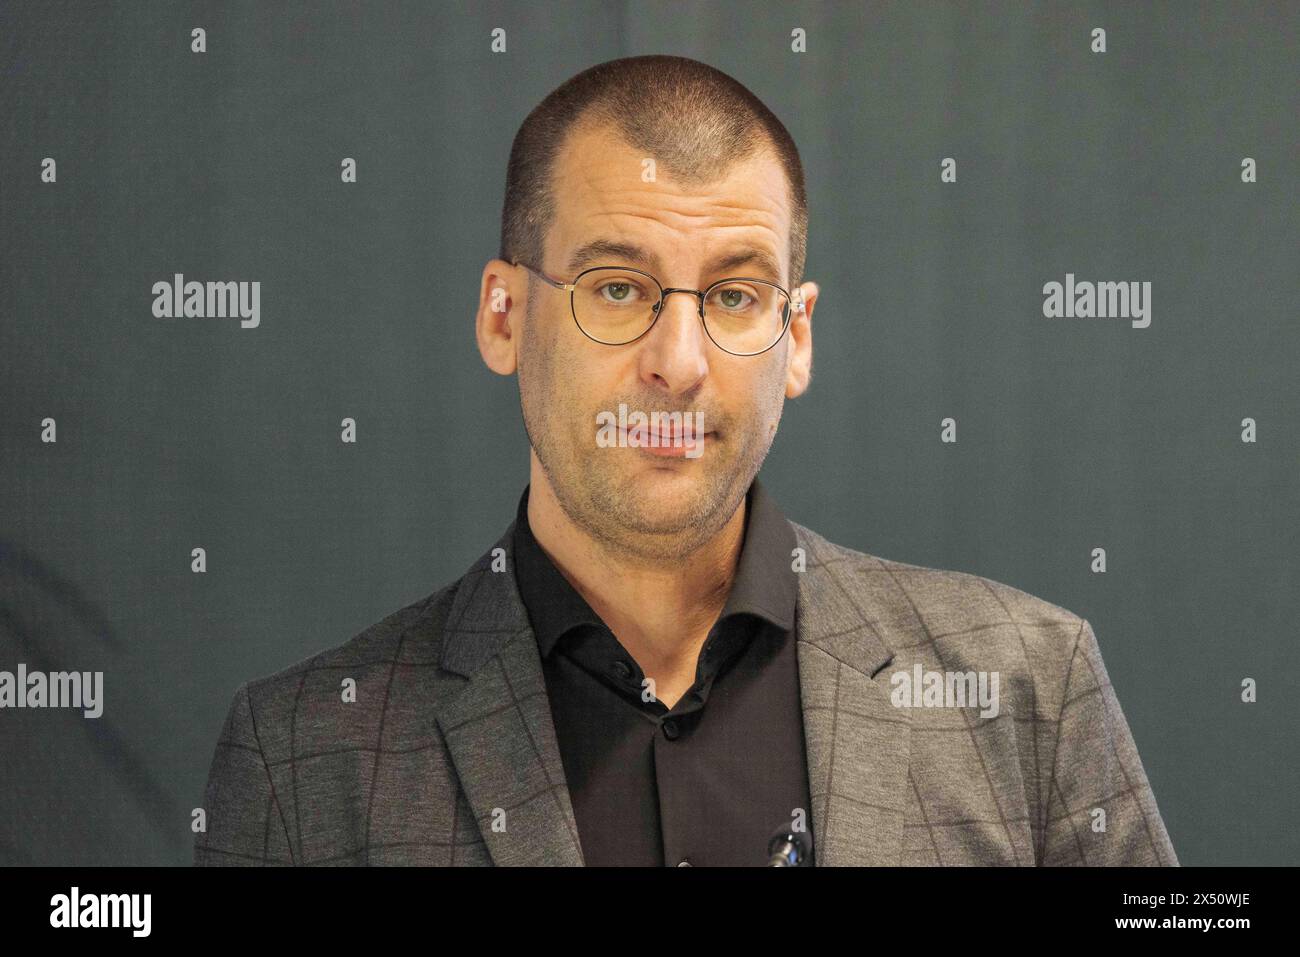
pixel 617 291
pixel 733 298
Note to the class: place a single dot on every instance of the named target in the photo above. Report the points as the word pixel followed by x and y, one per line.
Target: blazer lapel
pixel 498 725
pixel 857 741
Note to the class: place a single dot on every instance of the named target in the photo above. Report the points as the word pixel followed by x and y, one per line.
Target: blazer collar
pixel 500 735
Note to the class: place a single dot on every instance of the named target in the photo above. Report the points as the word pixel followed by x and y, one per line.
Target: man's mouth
pixel 672 437
pixel 676 443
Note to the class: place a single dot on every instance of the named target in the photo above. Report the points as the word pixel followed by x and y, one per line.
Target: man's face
pixel 633 499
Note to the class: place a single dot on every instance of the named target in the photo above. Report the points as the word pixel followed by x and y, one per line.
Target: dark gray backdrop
pixel 1073 434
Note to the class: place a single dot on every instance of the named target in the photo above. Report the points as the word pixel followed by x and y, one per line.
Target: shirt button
pixel 622 669
pixel 670 729
pixel 684 863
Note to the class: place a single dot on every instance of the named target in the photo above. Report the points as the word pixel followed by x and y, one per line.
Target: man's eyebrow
pixel 768 267
pixel 600 252
pixel 607 252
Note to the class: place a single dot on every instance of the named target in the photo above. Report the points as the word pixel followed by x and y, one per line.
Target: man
pixel 652 666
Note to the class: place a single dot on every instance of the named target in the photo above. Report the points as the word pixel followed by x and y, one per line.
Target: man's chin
pixel 670 500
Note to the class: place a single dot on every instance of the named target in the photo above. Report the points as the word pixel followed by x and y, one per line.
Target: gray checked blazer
pixel 448 754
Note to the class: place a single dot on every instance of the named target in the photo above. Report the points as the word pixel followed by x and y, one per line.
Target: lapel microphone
pixel 789 848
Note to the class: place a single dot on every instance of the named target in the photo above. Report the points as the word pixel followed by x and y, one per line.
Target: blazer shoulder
pixel 918 604
pixel 410 635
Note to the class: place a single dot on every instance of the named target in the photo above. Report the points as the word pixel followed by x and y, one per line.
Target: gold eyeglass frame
pixel 793 303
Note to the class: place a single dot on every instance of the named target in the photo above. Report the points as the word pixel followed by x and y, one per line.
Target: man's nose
pixel 675 354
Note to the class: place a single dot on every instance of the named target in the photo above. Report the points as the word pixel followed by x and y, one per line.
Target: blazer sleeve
pixel 1100 808
pixel 244 822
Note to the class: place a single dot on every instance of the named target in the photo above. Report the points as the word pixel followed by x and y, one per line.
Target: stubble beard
pixel 597 490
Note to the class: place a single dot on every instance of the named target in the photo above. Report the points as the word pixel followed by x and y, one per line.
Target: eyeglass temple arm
pixel 566 286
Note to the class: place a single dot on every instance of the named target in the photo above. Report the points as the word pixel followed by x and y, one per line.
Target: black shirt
pixel 710 780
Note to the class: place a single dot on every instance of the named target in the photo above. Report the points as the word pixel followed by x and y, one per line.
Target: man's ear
pixel 798 372
pixel 503 297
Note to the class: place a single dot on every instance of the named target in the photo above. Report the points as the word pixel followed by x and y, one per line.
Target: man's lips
pixel 685 444
pixel 686 436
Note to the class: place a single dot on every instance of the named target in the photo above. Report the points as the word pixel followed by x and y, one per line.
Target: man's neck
pixel 661 613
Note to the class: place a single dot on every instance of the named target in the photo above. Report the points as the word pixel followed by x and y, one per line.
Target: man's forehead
pixel 607 203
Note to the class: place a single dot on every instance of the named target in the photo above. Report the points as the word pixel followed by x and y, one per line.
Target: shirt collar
pixel 764 585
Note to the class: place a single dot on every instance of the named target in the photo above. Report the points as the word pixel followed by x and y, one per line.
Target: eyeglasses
pixel 616 305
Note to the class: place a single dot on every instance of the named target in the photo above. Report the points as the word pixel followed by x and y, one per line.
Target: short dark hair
pixel 695 120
